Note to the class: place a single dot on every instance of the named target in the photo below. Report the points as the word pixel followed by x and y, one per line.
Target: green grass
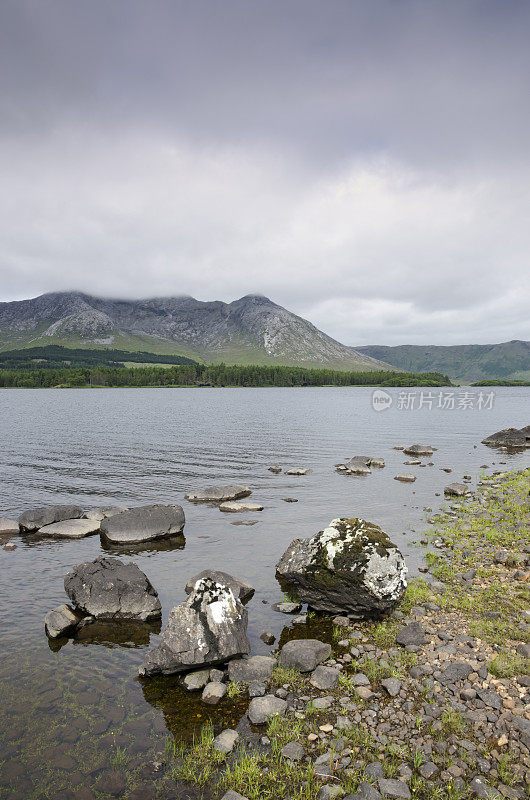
pixel 509 665
pixel 281 676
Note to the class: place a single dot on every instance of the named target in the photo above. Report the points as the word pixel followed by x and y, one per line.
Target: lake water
pixel 65 711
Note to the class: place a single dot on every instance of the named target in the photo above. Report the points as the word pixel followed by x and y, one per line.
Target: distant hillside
pixel 59 357
pixel 463 363
pixel 252 330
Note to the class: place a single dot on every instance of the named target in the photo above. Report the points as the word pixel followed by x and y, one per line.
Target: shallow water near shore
pixel 73 711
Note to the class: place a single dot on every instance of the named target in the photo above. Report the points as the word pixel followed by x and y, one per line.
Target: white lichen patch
pixel 386 576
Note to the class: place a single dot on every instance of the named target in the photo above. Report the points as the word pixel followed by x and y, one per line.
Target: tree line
pixel 212 375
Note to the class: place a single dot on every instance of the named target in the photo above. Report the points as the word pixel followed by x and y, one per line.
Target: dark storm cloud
pixel 364 163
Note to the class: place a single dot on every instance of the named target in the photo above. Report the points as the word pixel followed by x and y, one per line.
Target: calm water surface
pixel 64 710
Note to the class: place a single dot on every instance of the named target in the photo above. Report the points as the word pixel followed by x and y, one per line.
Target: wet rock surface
pixel 351 566
pixel 219 494
pixel 61 621
pixel 143 524
pixel 107 588
pixel 208 628
pixel 36 518
pixel 70 529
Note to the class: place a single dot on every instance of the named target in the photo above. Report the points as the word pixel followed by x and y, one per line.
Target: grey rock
pixel 287 607
pixel 522 725
pixel 234 507
pixel 392 686
pixel 226 741
pixel 325 678
pixel 70 529
pixel 390 787
pixel 219 494
pixel 455 671
pixel 360 679
pixel 102 512
pixel 109 589
pixel 456 489
pixel 405 478
pixel 213 693
pixel 240 588
pixel 501 557
pixel 365 792
pixel 481 789
pixel 411 634
pixel 61 621
pixel 32 520
pixel 231 795
pixel 261 709
pixel 428 770
pixel 293 751
pixel 253 668
pixel 523 649
pixel 304 654
pixel 194 681
pixel 374 770
pixel 297 471
pixel 330 792
pixel 491 699
pixel 419 450
pixel 256 689
pixel 267 637
pixel 143 524
pixel 208 628
pixel 351 567
pixel 509 437
pixel 8 526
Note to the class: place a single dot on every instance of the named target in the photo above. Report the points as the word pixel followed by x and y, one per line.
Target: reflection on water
pixel 66 707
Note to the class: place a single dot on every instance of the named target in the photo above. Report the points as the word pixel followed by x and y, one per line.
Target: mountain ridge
pixel 251 329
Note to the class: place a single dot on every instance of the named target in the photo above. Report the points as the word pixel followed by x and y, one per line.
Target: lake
pixel 67 711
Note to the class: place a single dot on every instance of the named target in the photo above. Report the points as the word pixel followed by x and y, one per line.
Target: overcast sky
pixel 365 164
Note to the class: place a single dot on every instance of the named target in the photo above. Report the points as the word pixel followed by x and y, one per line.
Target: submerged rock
pixel 37 518
pixel 61 620
pixel 241 589
pixel 351 566
pixel 208 628
pixel 70 529
pixel 218 494
pixel 143 524
pixel 234 506
pixel 109 589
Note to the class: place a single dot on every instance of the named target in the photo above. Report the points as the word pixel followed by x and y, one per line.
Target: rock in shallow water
pixel 61 621
pixel 102 512
pixel 8 526
pixel 218 494
pixel 143 524
pixel 351 566
pixel 109 589
pixel 240 588
pixel 70 529
pixel 36 518
pixel 208 628
pixel 233 506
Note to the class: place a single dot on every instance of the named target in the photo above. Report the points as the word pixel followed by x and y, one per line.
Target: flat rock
pixel 102 512
pixel 226 741
pixel 455 671
pixel 219 494
pixel 509 437
pixel 456 490
pixel 391 787
pixel 213 693
pixel 208 628
pixel 275 469
pixel 36 518
pixel 365 792
pixel 304 654
pixel 70 529
pixel 287 607
pixel 107 588
pixel 194 681
pixel 234 506
pixel 479 788
pixel 253 668
pixel 8 526
pixel 405 478
pixel 61 621
pixel 143 524
pixel 292 751
pixel 261 709
pixel 297 471
pixel 325 678
pixel 241 589
pixel 411 634
pixel 419 450
pixel 351 567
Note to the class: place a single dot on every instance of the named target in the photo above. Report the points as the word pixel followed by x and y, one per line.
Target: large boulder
pixel 37 518
pixel 143 524
pixel 509 437
pixel 107 588
pixel 218 494
pixel 208 628
pixel 241 589
pixel 350 567
pixel 70 529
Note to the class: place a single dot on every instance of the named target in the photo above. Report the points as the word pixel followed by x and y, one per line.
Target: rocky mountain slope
pixel 250 330
pixel 468 362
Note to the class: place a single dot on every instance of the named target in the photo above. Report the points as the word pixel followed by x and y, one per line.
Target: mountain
pixel 463 363
pixel 252 330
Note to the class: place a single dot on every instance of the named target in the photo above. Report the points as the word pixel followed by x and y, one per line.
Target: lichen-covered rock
pixel 351 566
pixel 107 588
pixel 208 628
pixel 143 524
pixel 36 518
pixel 241 589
